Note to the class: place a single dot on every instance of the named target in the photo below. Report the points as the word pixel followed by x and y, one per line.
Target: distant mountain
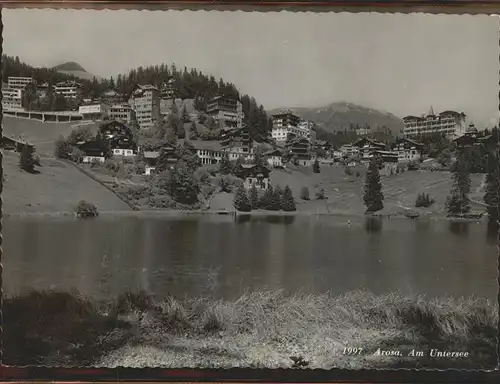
pixel 340 116
pixel 74 69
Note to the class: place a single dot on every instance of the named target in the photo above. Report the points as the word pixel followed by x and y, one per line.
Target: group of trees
pixel 272 199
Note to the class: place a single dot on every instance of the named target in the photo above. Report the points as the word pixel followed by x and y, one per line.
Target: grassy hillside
pixel 345 193
pixel 42 135
pixel 57 188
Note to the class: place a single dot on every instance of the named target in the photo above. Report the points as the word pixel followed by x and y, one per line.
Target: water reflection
pixel 459 227
pixel 197 256
pixel 373 224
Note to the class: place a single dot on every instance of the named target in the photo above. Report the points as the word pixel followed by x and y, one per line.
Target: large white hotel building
pixel 451 123
pixel 286 122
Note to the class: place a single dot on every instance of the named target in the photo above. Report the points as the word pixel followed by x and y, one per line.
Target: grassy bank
pixel 261 329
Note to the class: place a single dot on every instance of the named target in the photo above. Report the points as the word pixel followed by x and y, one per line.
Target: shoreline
pixel 179 213
pixel 257 330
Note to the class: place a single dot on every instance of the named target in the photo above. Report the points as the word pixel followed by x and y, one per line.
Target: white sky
pixel 397 63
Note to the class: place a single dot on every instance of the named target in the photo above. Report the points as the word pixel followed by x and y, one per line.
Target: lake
pixel 223 256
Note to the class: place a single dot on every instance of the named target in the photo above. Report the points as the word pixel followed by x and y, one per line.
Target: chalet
pixel 238 143
pixel 274 158
pixel 151 160
pixel 467 140
pixel 408 150
pixel 348 151
pixel 93 151
pixel 386 156
pixel 255 175
pixel 112 96
pixel 17 145
pixel 119 137
pixel 367 147
pixel 209 152
pixel 299 150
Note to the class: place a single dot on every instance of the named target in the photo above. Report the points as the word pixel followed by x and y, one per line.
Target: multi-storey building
pixel 16 82
pixel 97 111
pixel 349 151
pixel 167 89
pixel 112 96
pixel 407 150
pixel 299 149
pixel 121 111
pixel 227 112
pixel 43 89
pixel 68 89
pixel 285 123
pixel 368 147
pixel 450 123
pixel 12 98
pixel 145 102
pixel 238 143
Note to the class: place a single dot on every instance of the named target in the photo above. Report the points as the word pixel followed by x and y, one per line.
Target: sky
pixel 399 63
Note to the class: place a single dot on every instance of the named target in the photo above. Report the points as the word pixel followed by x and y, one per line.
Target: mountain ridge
pixel 73 68
pixel 342 115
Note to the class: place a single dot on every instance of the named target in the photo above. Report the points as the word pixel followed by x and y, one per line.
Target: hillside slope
pixel 339 116
pixel 57 188
pixel 42 135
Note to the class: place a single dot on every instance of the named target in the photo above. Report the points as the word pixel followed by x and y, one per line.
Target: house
pixel 209 152
pixel 68 89
pixel 119 137
pixel 238 143
pixel 93 151
pixel 468 139
pixel 408 150
pixel 367 147
pixel 348 151
pixel 121 111
pixel 386 156
pixel 226 111
pixel 274 158
pixel 151 160
pixel 98 111
pixel 298 149
pixel 257 175
pixel 112 96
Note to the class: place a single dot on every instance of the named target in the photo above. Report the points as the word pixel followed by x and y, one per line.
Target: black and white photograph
pixel 221 189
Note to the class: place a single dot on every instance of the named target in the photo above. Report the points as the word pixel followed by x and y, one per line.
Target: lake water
pixel 222 256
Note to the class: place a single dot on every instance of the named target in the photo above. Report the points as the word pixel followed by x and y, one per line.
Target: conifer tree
pixel 373 196
pixel 27 160
pixel 254 197
pixel 266 199
pixel 288 202
pixel 225 167
pixel 241 201
pixel 276 199
pixel 458 202
pixel 316 168
pixel 492 195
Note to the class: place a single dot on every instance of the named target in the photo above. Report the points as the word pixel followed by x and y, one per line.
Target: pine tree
pixel 27 160
pixel 276 199
pixel 254 197
pixel 316 168
pixel 241 201
pixel 225 167
pixel 183 187
pixel 458 202
pixel 265 201
pixel 492 195
pixel 238 170
pixel 288 202
pixel 373 196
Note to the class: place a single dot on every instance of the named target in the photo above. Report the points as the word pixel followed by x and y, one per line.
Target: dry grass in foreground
pixel 264 330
